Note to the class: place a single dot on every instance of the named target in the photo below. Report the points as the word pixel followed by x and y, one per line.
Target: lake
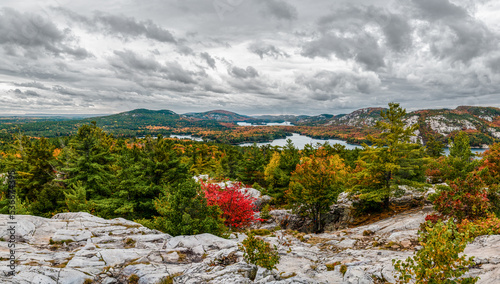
pixel 299 141
pixel 186 137
pixel 286 123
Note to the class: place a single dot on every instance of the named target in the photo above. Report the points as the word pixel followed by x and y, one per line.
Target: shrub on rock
pixel 439 260
pixel 236 207
pixel 463 199
pixel 259 252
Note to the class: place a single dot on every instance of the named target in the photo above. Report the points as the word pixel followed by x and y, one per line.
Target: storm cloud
pixel 238 72
pixel 262 48
pixel 279 9
pixel 253 57
pixel 120 25
pixel 35 34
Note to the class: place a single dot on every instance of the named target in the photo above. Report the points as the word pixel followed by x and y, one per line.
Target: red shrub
pixel 433 218
pixel 463 199
pixel 236 207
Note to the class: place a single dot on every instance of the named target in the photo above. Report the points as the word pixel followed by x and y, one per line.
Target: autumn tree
pixel 489 170
pixel 315 185
pixel 35 166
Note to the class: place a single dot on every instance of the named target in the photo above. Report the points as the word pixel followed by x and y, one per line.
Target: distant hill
pixel 136 122
pixel 360 118
pixel 481 123
pixel 296 119
pixel 220 115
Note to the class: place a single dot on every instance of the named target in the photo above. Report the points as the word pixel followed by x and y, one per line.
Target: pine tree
pixel 278 171
pixel 184 210
pixel 88 160
pixel 393 160
pixel 434 148
pixel 460 147
pixel 252 166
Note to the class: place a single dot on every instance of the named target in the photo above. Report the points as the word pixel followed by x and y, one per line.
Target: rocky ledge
pixel 74 247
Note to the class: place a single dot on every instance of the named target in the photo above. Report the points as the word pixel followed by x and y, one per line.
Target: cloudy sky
pixel 247 56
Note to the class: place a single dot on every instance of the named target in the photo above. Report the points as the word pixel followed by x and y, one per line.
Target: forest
pixel 150 180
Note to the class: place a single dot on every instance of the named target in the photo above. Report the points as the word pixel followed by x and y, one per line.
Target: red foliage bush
pixel 463 199
pixel 236 207
pixel 489 225
pixel 434 218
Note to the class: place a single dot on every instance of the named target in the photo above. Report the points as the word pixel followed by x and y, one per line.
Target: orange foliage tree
pixel 489 169
pixel 315 185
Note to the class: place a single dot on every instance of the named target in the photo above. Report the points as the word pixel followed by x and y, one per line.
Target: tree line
pixel 151 180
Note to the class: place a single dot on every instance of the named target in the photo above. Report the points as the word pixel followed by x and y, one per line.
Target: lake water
pixel 286 123
pixel 186 137
pixel 301 140
pixel 474 151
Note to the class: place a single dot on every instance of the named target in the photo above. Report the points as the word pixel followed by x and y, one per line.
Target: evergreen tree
pixel 132 197
pixel 252 165
pixel 460 162
pixel 278 171
pixel 393 160
pixel 460 147
pixel 434 148
pixel 90 161
pixel 183 210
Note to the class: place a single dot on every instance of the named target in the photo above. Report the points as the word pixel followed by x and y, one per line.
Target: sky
pixel 247 56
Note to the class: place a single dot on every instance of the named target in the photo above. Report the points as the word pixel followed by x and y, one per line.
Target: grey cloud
pixel 466 41
pixel 257 86
pixel 175 72
pixel 25 94
pixel 215 89
pixel 241 73
pixel 35 33
pixel 364 49
pixel 353 19
pixel 454 33
pixel 129 26
pixel 324 83
pixel 185 50
pixel 121 24
pixel 397 32
pixel 439 9
pixel 128 59
pixel 208 59
pixel 280 10
pixel 261 48
pixel 34 84
pixel 131 63
pixel 369 54
pixel 348 33
pixel 494 64
pixel 68 92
